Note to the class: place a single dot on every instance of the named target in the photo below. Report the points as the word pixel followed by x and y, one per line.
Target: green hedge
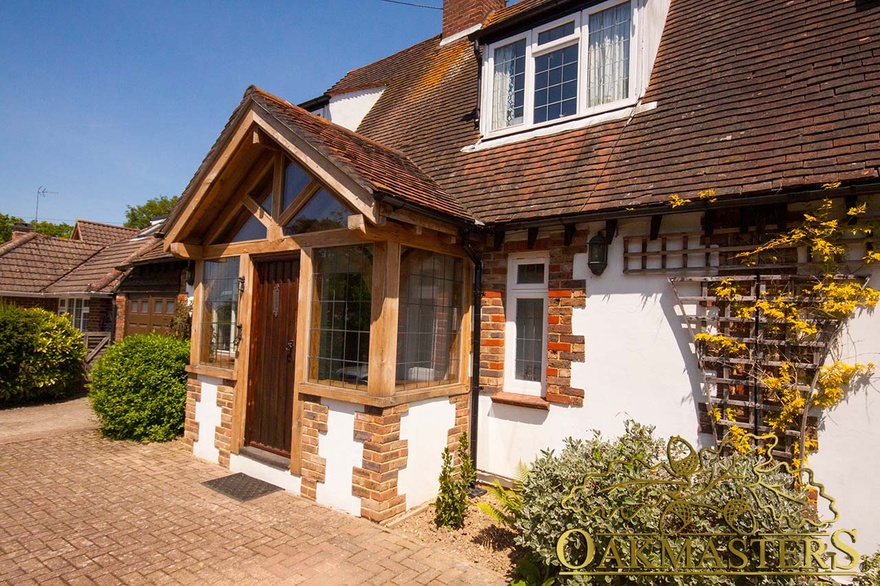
pixel 138 388
pixel 41 356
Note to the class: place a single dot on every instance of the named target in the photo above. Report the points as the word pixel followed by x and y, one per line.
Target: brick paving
pixel 80 509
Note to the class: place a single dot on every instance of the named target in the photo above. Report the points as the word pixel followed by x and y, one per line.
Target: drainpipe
pixel 475 344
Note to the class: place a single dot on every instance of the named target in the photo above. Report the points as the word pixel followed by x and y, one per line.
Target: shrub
pixel 870 570
pixel 138 388
pixel 466 469
pixel 586 487
pixel 452 500
pixel 41 355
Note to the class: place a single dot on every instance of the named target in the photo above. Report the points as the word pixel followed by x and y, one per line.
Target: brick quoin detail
pixel 565 293
pixel 223 434
pixel 385 455
pixel 193 396
pixel 462 413
pixel 314 467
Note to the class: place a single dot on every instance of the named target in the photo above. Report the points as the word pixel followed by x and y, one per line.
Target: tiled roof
pixel 99 274
pixel 33 262
pixel 153 252
pixel 376 167
pixel 507 13
pixel 100 233
pixel 784 100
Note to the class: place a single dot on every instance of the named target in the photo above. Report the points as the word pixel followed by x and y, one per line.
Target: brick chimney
pixel 460 15
pixel 20 229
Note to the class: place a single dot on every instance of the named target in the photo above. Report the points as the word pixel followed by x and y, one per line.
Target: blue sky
pixel 112 103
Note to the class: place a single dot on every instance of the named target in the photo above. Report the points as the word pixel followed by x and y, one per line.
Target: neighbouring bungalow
pixel 75 276
pixel 155 288
pixel 500 230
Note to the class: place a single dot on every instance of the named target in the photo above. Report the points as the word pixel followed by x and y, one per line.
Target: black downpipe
pixel 475 344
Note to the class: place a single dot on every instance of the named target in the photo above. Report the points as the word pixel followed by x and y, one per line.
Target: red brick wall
pixel 565 293
pixel 100 314
pixel 121 315
pixel 47 303
pixel 459 15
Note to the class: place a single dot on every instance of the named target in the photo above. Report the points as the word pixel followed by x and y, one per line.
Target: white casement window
pixel 78 310
pixel 526 330
pixel 574 66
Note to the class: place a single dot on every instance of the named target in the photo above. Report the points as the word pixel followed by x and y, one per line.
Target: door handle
pixel 290 345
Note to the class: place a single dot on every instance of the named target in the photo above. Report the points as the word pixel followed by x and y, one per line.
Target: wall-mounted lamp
pixel 597 256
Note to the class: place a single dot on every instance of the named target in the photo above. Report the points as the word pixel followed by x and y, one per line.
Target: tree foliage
pixel 140 216
pixel 61 230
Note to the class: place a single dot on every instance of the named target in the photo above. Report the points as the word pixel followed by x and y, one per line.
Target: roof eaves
pixel 314 142
pixel 217 147
pixel 524 17
pixel 16 242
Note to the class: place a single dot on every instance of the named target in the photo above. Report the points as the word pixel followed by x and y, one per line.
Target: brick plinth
pixel 314 466
pixel 462 412
pixel 564 292
pixel 193 396
pixel 223 434
pixel 385 454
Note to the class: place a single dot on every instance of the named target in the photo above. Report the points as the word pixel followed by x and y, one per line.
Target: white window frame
pixel 517 291
pixel 533 50
pixel 68 305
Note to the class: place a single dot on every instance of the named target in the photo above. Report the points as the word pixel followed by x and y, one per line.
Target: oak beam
pixel 382 368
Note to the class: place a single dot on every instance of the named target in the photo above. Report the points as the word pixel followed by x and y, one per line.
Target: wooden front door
pixel 269 417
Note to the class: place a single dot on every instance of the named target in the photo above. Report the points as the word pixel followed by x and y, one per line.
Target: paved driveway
pixel 76 508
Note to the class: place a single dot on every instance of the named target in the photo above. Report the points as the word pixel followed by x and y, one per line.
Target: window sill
pixel 212 371
pixel 518 400
pixel 513 135
pixel 398 398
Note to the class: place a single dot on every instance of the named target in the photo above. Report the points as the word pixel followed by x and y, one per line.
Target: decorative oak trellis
pixel 732 380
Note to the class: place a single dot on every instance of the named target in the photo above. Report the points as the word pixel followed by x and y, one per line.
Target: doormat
pixel 241 487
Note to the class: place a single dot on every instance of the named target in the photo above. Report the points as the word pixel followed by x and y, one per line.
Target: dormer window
pixel 574 66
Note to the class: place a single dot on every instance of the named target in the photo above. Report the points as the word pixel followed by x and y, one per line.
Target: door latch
pixel 290 345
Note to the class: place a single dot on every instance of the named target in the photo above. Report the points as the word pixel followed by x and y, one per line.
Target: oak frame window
pixel 339 349
pixel 429 319
pixel 219 335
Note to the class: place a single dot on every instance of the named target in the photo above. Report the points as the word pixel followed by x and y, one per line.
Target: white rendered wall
pixel 342 453
pixel 639 365
pixel 425 427
pixel 349 109
pixel 848 460
pixel 208 417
